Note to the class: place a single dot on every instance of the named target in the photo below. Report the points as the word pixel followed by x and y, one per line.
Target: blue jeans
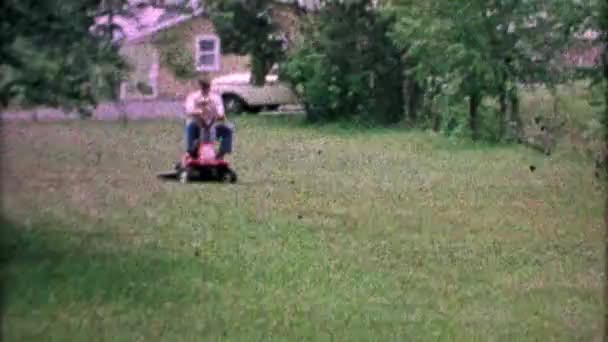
pixel 221 130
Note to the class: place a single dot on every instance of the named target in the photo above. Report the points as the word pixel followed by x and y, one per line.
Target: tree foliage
pixel 478 49
pixel 173 55
pixel 48 56
pixel 347 68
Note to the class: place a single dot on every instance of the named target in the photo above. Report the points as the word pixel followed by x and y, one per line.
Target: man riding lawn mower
pixel 205 114
pixel 205 123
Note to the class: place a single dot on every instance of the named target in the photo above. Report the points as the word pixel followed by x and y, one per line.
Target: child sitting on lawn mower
pixel 206 121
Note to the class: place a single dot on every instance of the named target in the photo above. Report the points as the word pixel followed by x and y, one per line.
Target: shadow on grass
pixel 202 179
pixel 48 268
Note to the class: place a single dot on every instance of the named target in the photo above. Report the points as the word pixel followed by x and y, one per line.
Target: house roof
pixel 143 19
pixel 585 58
pixel 146 21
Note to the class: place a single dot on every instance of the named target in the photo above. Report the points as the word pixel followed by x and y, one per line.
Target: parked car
pixel 241 96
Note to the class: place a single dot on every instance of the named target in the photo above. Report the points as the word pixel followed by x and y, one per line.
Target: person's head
pixel 205 86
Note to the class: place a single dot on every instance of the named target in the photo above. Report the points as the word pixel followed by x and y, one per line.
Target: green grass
pixel 573 104
pixel 331 234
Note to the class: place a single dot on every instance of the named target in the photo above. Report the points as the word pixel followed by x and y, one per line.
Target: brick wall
pixel 171 87
pixel 583 56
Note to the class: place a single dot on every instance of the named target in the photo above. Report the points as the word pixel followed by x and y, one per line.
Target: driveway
pixel 134 110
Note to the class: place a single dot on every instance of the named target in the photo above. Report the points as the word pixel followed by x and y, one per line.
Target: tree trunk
pixel 502 113
pixel 434 90
pixel 606 91
pixel 515 117
pixel 605 63
pixel 474 101
pixel 413 100
pixel 115 83
pixel 436 122
pixel 421 102
pixel 604 27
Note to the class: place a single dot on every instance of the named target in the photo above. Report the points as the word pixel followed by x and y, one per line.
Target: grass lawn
pixel 330 235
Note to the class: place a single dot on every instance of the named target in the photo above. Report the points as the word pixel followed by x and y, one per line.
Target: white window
pixel 184 3
pixel 310 5
pixel 207 56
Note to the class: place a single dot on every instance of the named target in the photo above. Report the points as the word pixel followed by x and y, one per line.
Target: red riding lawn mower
pixel 204 165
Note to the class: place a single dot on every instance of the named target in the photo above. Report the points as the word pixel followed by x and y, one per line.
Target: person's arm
pixel 219 105
pixel 189 104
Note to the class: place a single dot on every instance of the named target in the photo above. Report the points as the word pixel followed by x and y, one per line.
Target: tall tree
pixel 48 55
pixel 604 34
pixel 247 27
pixel 485 48
pixel 347 67
pixel 603 26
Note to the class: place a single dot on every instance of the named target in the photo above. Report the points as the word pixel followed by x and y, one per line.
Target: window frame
pixel 198 53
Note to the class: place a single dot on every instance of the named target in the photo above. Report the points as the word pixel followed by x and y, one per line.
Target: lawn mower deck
pixel 204 166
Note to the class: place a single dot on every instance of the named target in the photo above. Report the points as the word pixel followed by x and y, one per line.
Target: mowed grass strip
pixel 331 234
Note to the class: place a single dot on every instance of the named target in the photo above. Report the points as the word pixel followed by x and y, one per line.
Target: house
pixel 169 48
pixel 585 52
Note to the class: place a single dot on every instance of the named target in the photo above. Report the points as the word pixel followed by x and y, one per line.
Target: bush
pixel 347 68
pixel 174 56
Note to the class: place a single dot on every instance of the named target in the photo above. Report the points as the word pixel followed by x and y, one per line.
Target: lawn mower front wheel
pixel 184 175
pixel 229 176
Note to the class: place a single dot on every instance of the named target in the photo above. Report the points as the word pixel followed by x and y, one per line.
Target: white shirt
pixel 194 97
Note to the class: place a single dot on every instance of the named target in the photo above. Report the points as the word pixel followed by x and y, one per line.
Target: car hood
pixel 239 78
pixel 242 78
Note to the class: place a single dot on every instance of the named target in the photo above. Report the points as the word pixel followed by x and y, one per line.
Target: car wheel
pixel 233 104
pixel 254 109
pixel 272 108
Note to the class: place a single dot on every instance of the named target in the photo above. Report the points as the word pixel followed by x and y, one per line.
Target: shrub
pixel 347 68
pixel 174 56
